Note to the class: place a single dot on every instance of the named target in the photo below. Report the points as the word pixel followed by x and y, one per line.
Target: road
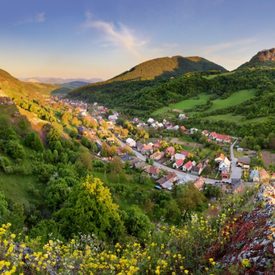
pixel 184 177
pixel 236 172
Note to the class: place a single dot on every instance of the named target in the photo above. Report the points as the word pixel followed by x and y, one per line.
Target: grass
pixel 184 104
pixel 234 99
pixel 19 189
pixel 235 118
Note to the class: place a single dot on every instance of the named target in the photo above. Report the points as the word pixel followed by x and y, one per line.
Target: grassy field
pixel 184 104
pixel 234 99
pixel 19 189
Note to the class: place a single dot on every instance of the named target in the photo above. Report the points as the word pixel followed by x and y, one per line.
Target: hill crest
pixel 167 67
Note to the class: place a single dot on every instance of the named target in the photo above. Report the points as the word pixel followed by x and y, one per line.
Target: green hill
pixel 166 67
pixel 13 87
pixel 265 58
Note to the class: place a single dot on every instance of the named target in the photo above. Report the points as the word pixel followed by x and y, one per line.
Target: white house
pixel 150 120
pixel 130 142
pixel 112 117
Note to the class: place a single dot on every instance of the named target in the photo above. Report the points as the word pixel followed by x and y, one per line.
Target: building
pixel 244 162
pixel 197 170
pixel 130 142
pixel 199 183
pixel 254 176
pixel 187 166
pixel 178 163
pixel 157 155
pixel 170 151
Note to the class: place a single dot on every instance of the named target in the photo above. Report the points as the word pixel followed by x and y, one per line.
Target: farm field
pixel 184 104
pixel 234 99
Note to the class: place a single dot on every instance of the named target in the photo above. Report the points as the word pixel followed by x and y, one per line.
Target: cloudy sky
pixel 102 38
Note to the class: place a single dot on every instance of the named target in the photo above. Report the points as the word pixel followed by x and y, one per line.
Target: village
pixel 168 164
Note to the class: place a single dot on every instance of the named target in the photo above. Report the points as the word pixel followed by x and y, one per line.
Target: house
pixel 244 162
pixel 197 170
pixel 264 176
pixel 147 149
pixel 170 151
pixel 153 171
pixel 205 133
pixel 182 116
pixel 254 176
pixel 130 142
pixel 187 166
pixel 167 182
pixel 178 163
pixel 199 183
pixel 183 129
pixel 150 120
pixel 157 155
pixel 220 138
pixel 178 156
pixel 225 165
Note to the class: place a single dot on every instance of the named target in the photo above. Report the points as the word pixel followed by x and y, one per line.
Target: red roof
pixel 188 165
pixel 170 150
pixel 154 170
pixel 220 136
pixel 179 162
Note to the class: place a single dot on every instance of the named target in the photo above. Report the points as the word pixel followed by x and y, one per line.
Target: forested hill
pixel 166 67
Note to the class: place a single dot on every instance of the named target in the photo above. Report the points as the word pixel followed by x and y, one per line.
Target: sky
pixel 102 38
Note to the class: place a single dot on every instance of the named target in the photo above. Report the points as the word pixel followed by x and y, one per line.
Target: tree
pixel 33 141
pixel 189 199
pixel 90 210
pixel 137 223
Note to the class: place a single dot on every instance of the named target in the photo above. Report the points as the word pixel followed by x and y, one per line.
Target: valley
pixel 138 168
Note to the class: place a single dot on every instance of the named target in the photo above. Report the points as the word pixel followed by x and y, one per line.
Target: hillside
pixel 13 87
pixel 67 87
pixel 166 67
pixel 264 58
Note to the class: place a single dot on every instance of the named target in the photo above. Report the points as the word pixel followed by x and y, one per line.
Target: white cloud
pixel 118 35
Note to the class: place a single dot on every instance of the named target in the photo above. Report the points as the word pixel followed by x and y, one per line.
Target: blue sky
pixel 101 38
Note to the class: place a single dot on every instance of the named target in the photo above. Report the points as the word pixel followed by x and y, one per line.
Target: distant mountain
pixel 67 87
pixel 57 80
pixel 265 58
pixel 166 67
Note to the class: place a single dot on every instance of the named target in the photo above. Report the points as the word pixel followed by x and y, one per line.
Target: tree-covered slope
pixel 166 67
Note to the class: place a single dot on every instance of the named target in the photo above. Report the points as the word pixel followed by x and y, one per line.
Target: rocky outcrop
pixel 251 246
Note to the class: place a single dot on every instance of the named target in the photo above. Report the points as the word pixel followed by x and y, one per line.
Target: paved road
pixel 184 177
pixel 236 172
